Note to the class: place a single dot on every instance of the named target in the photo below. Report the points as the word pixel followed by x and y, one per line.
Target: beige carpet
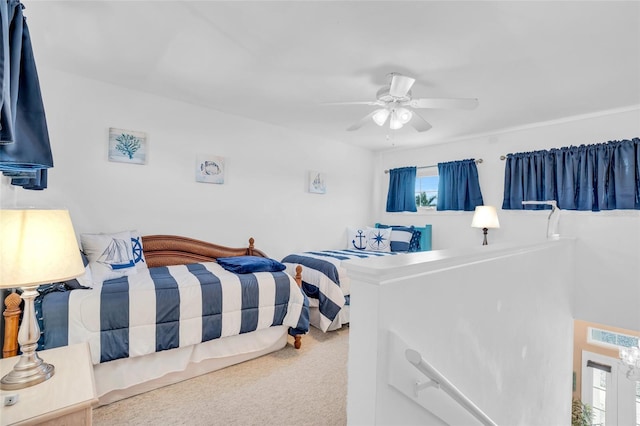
pixel 287 387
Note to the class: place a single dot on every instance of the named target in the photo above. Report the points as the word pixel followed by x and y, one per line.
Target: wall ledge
pixel 383 270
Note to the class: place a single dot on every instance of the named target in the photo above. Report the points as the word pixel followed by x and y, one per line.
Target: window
pixel 427 188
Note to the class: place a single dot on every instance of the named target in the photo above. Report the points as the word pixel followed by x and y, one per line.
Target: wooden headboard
pixel 159 250
pixel 165 250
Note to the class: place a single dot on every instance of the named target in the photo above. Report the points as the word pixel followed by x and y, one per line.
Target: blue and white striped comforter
pixel 323 278
pixel 167 307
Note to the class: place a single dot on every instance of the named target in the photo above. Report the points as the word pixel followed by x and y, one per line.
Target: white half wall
pixel 496 321
pixel 607 243
pixel 264 196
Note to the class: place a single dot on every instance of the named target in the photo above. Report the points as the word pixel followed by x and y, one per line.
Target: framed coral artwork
pixel 127 146
pixel 210 168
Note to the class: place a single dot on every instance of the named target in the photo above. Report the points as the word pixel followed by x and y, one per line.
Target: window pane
pixel 637 403
pixel 427 191
pixel 599 396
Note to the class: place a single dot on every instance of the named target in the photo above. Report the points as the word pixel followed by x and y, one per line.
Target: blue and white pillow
pixel 414 244
pixel 379 239
pixel 137 250
pixel 110 255
pixel 400 237
pixel 83 281
pixel 357 238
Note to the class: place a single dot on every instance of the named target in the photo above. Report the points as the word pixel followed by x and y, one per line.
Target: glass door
pixel 615 400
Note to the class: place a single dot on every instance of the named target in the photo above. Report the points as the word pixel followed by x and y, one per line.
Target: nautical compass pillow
pixel 379 239
pixel 110 255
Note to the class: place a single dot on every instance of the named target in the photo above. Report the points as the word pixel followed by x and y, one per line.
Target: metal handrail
pixel 441 382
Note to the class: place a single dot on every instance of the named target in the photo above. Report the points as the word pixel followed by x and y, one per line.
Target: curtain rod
pixel 478 161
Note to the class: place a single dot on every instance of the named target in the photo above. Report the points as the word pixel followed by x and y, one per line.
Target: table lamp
pixel 36 247
pixel 485 217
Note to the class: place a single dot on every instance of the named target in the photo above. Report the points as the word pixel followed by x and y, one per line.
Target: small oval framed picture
pixel 209 168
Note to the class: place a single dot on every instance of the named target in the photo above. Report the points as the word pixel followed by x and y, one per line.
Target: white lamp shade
pixel 485 217
pixel 37 247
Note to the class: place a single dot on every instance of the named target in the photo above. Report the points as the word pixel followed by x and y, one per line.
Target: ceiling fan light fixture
pixel 395 123
pixel 380 116
pixel 404 115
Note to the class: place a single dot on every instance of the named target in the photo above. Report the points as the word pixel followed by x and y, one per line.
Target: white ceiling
pixel 278 62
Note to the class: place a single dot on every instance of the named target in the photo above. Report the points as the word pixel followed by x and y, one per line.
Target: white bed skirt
pixel 122 378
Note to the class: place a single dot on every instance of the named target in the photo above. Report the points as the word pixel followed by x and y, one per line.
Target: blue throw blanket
pixel 168 307
pixel 321 275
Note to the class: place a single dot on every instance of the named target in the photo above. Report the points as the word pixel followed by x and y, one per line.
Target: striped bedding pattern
pixel 168 307
pixel 323 276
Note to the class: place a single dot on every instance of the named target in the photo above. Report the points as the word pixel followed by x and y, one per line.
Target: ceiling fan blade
pixel 400 85
pixel 419 123
pixel 372 103
pixel 362 122
pixel 444 103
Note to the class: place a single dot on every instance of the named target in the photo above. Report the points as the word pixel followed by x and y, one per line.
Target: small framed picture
pixel 209 168
pixel 317 182
pixel 127 146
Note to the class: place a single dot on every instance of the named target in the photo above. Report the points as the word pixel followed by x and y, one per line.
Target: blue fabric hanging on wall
pixel 25 150
pixel 458 186
pixel 594 177
pixel 402 190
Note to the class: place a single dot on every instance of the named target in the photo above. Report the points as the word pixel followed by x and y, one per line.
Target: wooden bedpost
pixel 251 241
pixel 298 338
pixel 11 322
pixel 298 276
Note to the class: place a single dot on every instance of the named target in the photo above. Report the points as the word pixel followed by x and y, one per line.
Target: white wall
pixel 497 331
pixel 265 192
pixel 608 243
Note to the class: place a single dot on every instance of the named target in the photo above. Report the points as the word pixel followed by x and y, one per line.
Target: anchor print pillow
pixel 110 255
pixel 379 239
pixel 357 238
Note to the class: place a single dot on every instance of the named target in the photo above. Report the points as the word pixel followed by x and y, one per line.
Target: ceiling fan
pixel 396 105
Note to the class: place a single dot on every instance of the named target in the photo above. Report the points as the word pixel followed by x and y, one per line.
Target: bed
pixel 325 280
pixel 181 315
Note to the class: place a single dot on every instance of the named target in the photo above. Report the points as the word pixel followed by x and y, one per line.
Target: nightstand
pixel 65 399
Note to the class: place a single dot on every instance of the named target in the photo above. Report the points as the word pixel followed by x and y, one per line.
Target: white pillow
pixel 379 239
pixel 137 250
pixel 110 255
pixel 357 238
pixel 85 279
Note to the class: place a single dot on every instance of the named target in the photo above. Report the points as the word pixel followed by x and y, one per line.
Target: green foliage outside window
pixel 424 200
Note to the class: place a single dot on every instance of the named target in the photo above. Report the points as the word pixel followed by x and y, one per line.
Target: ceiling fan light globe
pixel 395 123
pixel 404 115
pixel 380 116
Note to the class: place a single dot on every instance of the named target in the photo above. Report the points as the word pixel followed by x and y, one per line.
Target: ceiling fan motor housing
pixel 383 96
